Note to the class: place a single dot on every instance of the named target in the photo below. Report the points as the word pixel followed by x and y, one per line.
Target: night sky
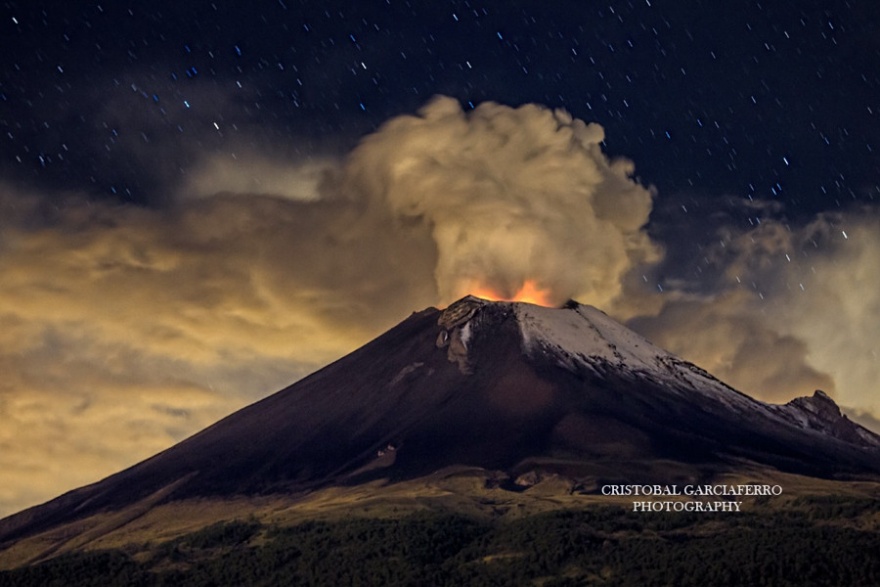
pixel 201 202
pixel 775 100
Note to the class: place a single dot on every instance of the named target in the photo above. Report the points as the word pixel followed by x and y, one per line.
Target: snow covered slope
pixel 821 414
pixel 581 338
pixel 587 337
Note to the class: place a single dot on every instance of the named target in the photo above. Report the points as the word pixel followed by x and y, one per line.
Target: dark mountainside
pixel 487 384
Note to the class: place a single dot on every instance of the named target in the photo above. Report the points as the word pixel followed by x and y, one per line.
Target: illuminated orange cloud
pixel 529 293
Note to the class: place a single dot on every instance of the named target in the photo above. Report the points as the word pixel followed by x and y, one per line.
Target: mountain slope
pixel 501 386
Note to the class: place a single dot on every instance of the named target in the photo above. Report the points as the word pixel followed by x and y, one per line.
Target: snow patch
pixel 401 375
pixel 465 334
pixel 583 336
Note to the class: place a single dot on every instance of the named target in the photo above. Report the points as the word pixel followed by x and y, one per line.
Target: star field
pixel 769 100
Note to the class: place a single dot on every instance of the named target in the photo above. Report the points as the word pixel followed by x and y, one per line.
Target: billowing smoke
pixel 509 195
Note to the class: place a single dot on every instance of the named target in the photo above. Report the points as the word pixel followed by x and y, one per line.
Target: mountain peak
pixel 581 339
pixel 820 413
pixel 506 387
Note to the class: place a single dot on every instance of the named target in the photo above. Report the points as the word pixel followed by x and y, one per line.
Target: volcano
pixel 520 390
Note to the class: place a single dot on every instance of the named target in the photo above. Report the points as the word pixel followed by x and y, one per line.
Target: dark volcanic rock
pixel 820 413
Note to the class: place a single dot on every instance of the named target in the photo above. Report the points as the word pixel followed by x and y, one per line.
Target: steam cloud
pixel 509 195
pixel 123 329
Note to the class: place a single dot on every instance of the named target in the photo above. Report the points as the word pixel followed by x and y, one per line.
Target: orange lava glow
pixel 529 293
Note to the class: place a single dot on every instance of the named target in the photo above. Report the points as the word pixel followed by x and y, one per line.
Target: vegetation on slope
pixel 817 541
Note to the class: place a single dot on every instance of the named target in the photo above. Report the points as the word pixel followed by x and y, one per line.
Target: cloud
pixel 726 335
pixel 509 194
pixel 863 418
pixel 827 296
pixel 125 329
pixel 253 173
pixel 782 309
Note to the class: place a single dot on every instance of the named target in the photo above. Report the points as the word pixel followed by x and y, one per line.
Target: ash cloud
pixel 509 194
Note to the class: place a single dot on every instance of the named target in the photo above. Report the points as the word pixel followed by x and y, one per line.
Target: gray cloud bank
pixel 793 309
pixel 124 329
